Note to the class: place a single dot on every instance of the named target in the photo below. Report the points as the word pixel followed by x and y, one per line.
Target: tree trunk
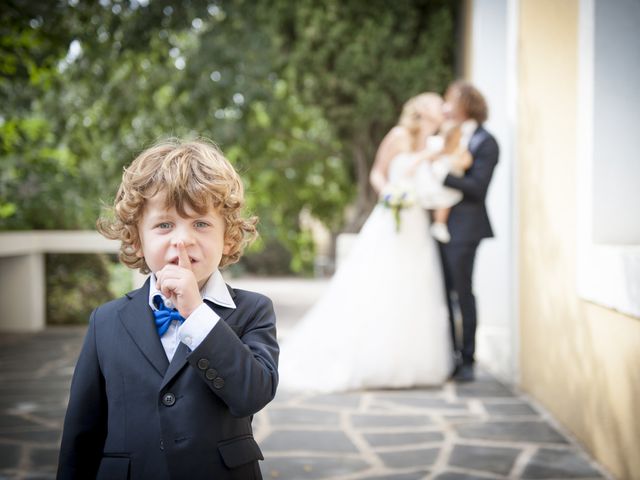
pixel 365 196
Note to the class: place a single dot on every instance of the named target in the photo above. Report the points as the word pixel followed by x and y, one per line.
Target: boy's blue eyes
pixel 165 225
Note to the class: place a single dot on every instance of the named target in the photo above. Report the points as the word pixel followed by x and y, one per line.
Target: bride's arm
pixel 428 154
pixel 395 142
pixel 417 158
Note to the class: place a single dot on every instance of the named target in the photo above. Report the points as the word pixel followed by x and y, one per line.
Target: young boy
pixel 170 375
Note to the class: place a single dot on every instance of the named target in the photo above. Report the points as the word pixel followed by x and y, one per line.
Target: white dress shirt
pixel 197 325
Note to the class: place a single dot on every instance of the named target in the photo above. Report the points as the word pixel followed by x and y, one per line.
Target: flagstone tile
pixel 380 407
pixel 418 392
pixel 9 455
pixel 482 389
pixel 460 418
pixel 310 468
pixel 53 413
pixel 420 475
pixel 458 476
pixel 43 387
pixel 32 436
pixel 51 475
pixel 374 421
pixel 308 441
pixel 529 432
pixel 488 459
pixel 346 400
pixel 11 423
pixel 430 403
pixel 510 409
pixel 548 463
pixel 303 416
pixel 44 457
pixel 403 438
pixel 409 458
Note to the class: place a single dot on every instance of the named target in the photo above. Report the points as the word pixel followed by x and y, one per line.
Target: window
pixel 609 154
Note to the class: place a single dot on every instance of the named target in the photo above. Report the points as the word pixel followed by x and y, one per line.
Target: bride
pixel 383 320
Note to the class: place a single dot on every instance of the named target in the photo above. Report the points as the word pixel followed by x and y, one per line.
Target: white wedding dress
pixel 383 320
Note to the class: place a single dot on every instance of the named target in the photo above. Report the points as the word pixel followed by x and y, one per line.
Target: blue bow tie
pixel 164 315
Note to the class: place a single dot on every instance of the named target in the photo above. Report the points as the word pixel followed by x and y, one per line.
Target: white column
pixel 493 71
pixel 22 293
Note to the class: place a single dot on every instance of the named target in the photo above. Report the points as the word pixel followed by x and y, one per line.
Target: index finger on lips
pixel 183 257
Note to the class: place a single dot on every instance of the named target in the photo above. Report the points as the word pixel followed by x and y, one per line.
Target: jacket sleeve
pixel 85 424
pixel 475 183
pixel 241 367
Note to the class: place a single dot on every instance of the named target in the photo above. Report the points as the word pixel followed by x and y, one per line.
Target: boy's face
pixel 161 229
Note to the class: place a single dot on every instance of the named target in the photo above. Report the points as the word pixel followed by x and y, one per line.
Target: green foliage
pixel 120 278
pixel 358 62
pixel 75 286
pixel 297 94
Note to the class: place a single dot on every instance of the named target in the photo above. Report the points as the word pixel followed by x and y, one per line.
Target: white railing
pixel 22 272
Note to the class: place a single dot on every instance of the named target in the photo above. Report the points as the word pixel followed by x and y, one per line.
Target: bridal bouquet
pixel 396 197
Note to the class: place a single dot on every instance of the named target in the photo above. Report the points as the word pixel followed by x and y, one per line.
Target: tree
pixel 297 94
pixel 29 51
pixel 358 62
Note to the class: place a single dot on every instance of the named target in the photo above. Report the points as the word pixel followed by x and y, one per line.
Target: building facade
pixel 559 288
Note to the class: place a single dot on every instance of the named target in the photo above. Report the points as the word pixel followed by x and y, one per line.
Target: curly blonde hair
pixel 413 112
pixel 191 174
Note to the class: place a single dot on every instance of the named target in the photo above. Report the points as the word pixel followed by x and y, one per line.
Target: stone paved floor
pixel 481 430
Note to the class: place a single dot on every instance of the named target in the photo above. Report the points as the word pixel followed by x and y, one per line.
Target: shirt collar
pixel 215 290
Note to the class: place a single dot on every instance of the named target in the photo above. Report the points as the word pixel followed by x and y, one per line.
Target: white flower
pixel 397 196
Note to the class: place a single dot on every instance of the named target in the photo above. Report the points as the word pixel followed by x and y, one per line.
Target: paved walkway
pixel 481 430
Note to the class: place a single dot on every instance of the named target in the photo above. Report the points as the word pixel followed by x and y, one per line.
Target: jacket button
pixel 161 445
pixel 203 364
pixel 168 399
pixel 211 374
pixel 218 382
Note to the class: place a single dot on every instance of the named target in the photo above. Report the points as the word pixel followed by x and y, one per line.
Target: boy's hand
pixel 179 284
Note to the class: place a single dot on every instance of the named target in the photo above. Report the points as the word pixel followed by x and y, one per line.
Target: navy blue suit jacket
pixel 132 415
pixel 468 220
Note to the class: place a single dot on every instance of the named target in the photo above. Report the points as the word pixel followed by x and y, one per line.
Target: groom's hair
pixel 471 100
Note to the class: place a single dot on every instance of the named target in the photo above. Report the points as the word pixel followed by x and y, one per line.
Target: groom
pixel 468 221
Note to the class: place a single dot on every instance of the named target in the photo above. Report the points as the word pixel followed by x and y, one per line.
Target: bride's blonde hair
pixel 414 112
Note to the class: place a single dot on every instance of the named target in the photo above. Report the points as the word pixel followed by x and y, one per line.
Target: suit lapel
pixel 476 139
pixel 178 361
pixel 180 358
pixel 137 319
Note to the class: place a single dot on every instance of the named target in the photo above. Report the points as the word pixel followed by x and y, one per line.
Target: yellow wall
pixel 581 361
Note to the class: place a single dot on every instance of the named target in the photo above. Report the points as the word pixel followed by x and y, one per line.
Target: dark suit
pixel 468 224
pixel 132 415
